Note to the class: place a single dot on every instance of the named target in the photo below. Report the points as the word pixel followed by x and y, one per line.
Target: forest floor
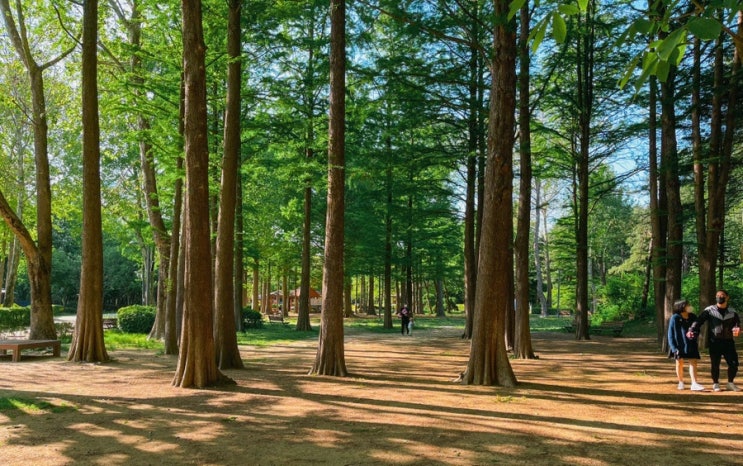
pixel 600 402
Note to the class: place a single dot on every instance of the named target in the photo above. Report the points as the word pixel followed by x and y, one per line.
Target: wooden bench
pixel 609 328
pixel 109 323
pixel 17 345
pixel 276 318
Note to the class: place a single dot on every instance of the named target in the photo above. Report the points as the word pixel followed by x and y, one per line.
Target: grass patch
pixel 275 334
pixel 11 406
pixel 116 339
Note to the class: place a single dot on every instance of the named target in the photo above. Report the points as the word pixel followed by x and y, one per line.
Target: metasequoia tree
pixel 522 339
pixel 710 188
pixel 330 358
pixel 197 364
pixel 87 340
pixel 488 362
pixel 225 336
pixel 39 252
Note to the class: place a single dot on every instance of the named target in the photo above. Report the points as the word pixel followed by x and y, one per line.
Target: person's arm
pixel 697 325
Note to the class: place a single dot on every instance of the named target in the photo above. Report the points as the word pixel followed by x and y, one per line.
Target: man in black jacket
pixel 723 326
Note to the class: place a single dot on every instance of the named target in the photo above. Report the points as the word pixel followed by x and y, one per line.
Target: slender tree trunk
pixel 239 269
pixel 197 363
pixel 670 166
pixel 585 65
pixel 488 362
pixel 371 310
pixel 330 359
pixel 388 238
pixel 254 299
pixel 470 210
pixel 87 340
pixel 522 347
pixel 38 253
pixel 225 335
pixel 543 305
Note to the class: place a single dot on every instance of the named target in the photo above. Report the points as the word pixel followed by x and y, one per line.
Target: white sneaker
pixel 695 387
pixel 716 387
pixel 732 387
pixel 681 386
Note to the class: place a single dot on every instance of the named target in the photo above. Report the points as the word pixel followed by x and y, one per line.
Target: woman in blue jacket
pixel 682 347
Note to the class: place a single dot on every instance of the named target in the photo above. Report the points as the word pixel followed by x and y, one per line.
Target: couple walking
pixel 723 325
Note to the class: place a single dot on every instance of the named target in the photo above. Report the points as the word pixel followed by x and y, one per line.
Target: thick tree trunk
pixel 197 365
pixel 330 359
pixel 488 362
pixel 87 340
pixel 522 347
pixel 225 335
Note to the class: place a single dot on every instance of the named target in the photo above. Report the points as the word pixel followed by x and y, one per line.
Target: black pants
pixel 719 349
pixel 405 328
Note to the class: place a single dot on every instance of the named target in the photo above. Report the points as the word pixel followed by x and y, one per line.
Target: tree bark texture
pixel 488 361
pixel 522 347
pixel 330 359
pixel 87 340
pixel 225 333
pixel 197 365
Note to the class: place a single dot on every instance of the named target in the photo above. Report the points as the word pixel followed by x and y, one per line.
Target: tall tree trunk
pixel 488 362
pixel 710 210
pixel 14 259
pixel 330 359
pixel 225 335
pixel 239 272
pixel 670 166
pixel 87 340
pixel 522 347
pixel 585 65
pixel 255 292
pixel 38 253
pixel 470 211
pixel 543 306
pixel 197 364
pixel 658 213
pixel 388 184
pixel 371 309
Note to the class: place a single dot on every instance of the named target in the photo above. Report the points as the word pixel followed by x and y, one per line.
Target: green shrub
pixel 57 309
pixel 251 318
pixel 14 318
pixel 136 319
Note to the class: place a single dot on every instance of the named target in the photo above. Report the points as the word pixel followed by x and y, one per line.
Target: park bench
pixel 609 328
pixel 109 323
pixel 17 345
pixel 276 318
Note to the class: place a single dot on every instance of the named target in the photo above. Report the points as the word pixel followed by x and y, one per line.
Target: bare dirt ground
pixel 606 401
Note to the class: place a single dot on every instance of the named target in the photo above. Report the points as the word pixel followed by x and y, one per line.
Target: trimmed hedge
pixel 14 318
pixel 251 318
pixel 136 319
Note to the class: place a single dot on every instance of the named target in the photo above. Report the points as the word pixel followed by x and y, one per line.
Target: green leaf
pixel 538 34
pixel 568 10
pixel 515 7
pixel 704 28
pixel 670 43
pixel 582 4
pixel 642 26
pixel 559 28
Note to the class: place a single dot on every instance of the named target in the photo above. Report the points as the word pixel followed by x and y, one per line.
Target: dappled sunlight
pixel 577 404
